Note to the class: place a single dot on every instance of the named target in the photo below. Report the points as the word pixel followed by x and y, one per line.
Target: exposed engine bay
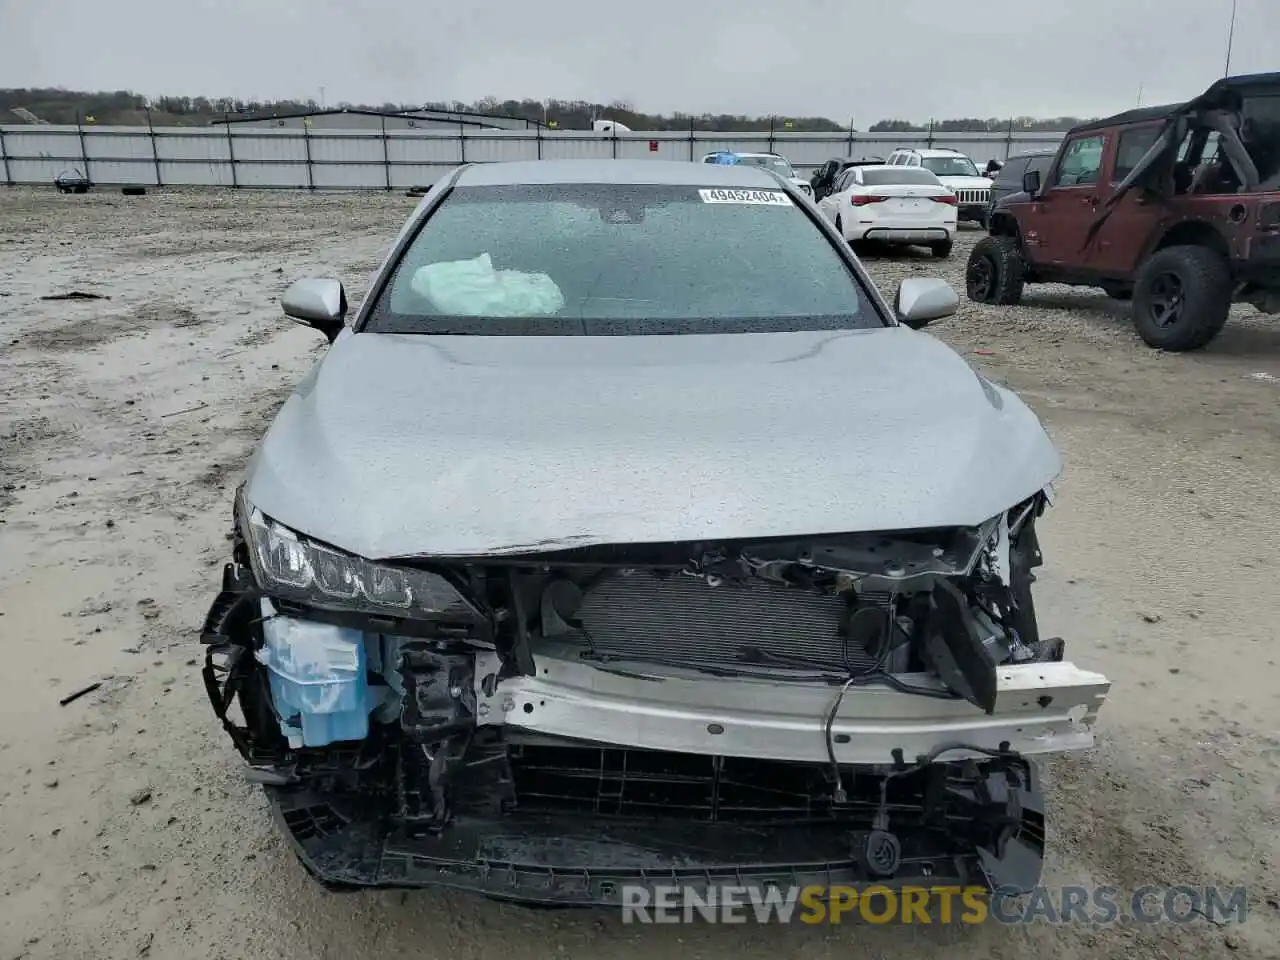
pixel 551 724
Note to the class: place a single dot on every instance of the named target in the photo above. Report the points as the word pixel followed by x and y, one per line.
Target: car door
pixel 830 204
pixel 822 180
pixel 1059 217
pixel 1123 237
pixel 1008 180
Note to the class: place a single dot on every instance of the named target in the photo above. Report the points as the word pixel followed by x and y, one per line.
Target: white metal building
pixel 353 119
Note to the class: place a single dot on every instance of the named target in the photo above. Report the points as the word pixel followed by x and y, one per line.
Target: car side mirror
pixel 1031 182
pixel 317 303
pixel 921 300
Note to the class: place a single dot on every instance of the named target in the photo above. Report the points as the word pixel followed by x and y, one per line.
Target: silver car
pixel 626 535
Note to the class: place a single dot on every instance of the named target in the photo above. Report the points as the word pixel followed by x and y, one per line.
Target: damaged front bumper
pixel 1042 707
pixel 582 858
pixel 568 784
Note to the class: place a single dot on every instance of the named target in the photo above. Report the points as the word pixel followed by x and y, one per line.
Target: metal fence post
pixel 615 141
pixel 231 152
pixel 691 153
pixel 462 143
pixel 84 152
pixel 4 158
pixel 306 139
pixel 1008 140
pixel 771 122
pixel 850 153
pixel 537 135
pixel 929 141
pixel 155 153
pixel 386 152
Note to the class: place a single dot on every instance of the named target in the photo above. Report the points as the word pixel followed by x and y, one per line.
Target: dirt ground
pixel 126 828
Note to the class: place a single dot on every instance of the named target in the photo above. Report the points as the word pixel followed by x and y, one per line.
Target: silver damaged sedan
pixel 627 535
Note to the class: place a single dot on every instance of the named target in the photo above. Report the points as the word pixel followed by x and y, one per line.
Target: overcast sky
pixel 865 59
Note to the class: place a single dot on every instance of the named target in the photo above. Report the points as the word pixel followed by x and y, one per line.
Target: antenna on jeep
pixel 1231 36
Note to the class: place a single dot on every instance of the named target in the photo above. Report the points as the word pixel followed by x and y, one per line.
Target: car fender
pixel 1175 230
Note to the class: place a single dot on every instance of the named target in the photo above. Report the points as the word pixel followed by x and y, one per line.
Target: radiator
pixel 685 620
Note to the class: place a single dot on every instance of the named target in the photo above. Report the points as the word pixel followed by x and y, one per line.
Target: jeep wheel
pixel 941 249
pixel 994 272
pixel 1181 298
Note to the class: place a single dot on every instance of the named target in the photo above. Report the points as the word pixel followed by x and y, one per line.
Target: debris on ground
pixel 72 697
pixel 75 295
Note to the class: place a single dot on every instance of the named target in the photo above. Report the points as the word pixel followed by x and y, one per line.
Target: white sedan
pixel 900 205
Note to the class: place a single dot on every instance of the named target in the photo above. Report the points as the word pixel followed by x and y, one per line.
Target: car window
pixel 1041 164
pixel 844 181
pixel 951 166
pixel 607 259
pixel 1260 131
pixel 916 175
pixel 778 165
pixel 1011 173
pixel 1080 162
pixel 913 161
pixel 1132 147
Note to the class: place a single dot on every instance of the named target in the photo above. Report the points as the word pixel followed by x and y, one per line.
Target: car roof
pixel 1252 83
pixel 1031 154
pixel 1137 115
pixel 663 172
pixel 934 152
pixel 877 166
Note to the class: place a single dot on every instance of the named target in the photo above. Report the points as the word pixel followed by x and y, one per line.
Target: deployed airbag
pixel 473 288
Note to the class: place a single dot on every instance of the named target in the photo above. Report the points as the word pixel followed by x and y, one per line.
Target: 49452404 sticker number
pixel 766 198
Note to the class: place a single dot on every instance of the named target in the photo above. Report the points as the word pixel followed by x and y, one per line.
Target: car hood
pixel 403 445
pixel 967 183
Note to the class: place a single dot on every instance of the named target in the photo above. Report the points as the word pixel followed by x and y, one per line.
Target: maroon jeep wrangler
pixel 1176 207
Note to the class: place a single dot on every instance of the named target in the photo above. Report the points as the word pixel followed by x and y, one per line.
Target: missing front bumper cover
pixel 693 779
pixel 966 826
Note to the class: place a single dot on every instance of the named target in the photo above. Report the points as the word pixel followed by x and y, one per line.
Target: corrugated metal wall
pixel 231 155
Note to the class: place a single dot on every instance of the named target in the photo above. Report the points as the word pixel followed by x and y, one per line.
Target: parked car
pixel 552 575
pixel 825 176
pixel 1176 207
pixel 774 162
pixel 1008 179
pixel 958 172
pixel 897 205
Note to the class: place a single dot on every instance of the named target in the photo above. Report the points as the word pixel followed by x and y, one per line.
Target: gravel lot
pixel 125 827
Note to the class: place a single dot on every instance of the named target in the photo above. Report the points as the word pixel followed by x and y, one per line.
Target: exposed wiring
pixel 839 796
pixel 877 667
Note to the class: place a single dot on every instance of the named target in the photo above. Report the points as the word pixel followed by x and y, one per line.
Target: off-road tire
pixel 941 250
pixel 1002 282
pixel 1204 281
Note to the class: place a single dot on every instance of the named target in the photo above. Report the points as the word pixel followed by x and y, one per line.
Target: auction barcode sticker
pixel 769 198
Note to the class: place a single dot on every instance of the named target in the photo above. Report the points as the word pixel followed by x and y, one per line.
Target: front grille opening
pixel 646 783
pixel 686 621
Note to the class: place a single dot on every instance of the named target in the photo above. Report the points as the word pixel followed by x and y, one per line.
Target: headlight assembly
pixel 292 567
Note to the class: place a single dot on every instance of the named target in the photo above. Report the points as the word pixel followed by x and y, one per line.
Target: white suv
pixel 956 171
